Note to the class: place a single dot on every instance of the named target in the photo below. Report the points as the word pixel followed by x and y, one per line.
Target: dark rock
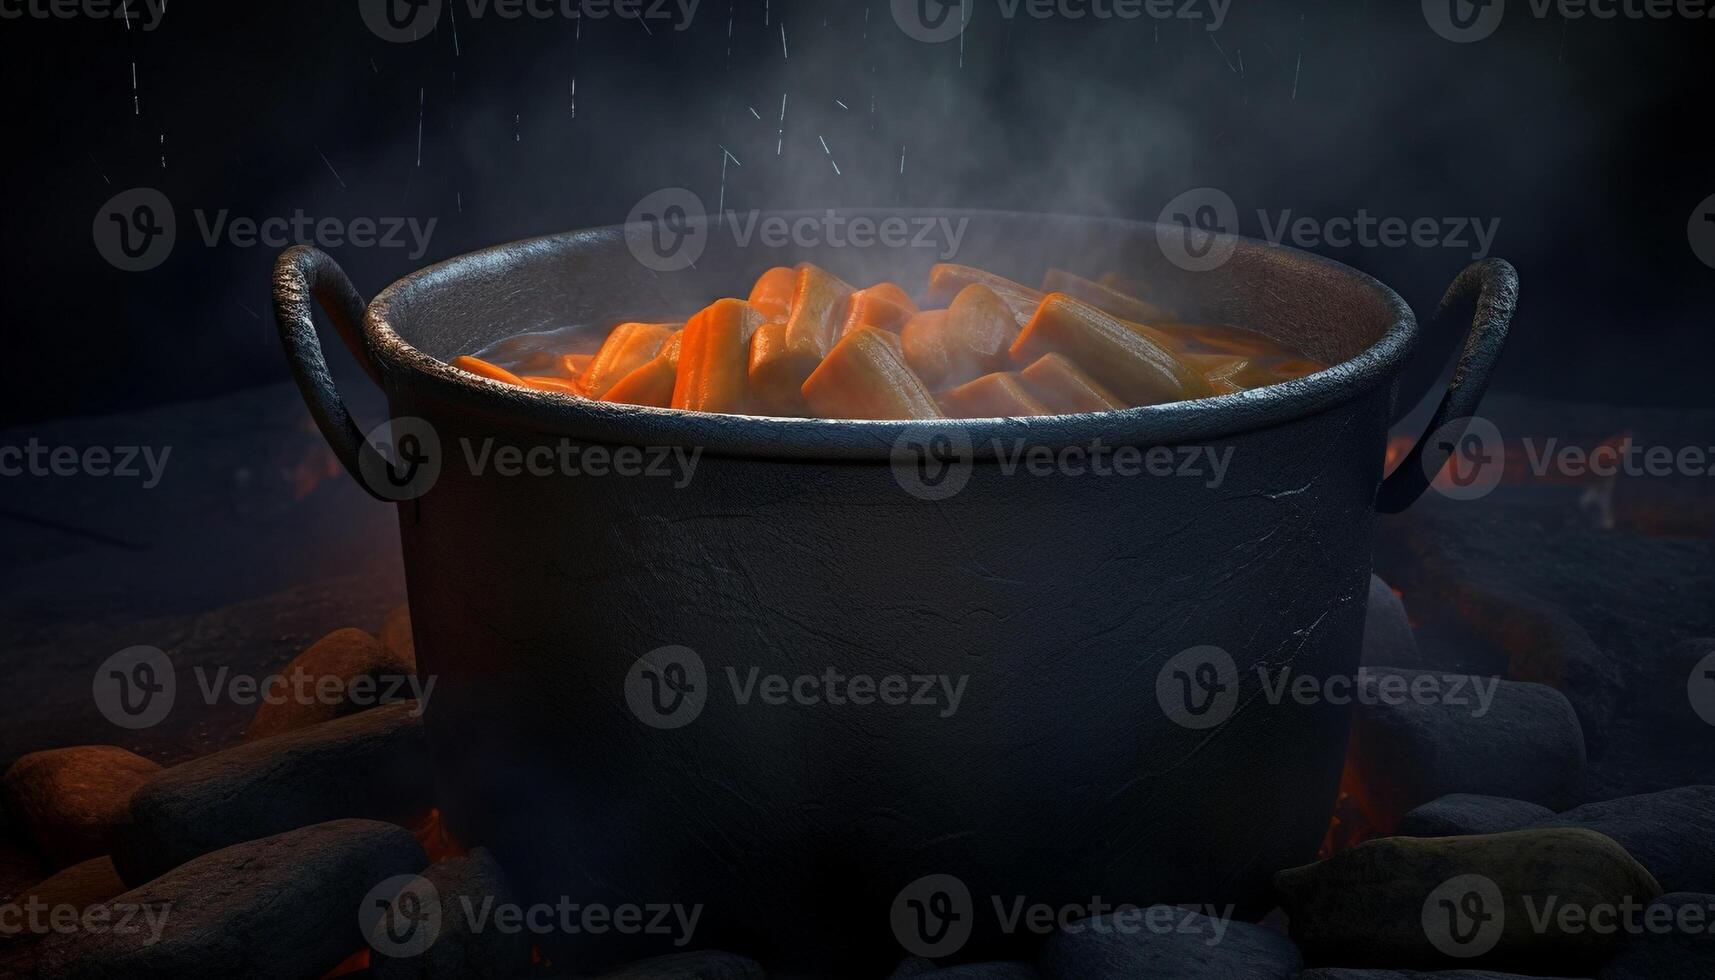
pixel 1162 941
pixel 1462 901
pixel 1672 833
pixel 1441 738
pixel 912 966
pixel 20 867
pixel 396 634
pixel 1339 973
pixel 700 965
pixel 69 799
pixel 1464 814
pixel 373 765
pixel 1387 631
pixel 86 883
pixel 471 884
pixel 984 971
pixel 1675 943
pixel 358 671
pixel 285 906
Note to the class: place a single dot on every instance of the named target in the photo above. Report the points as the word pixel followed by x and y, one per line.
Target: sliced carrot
pixel 773 291
pixel 813 326
pixel 483 369
pixel 1105 296
pixel 572 366
pixel 997 395
pixel 1236 340
pixel 776 373
pixel 884 306
pixel 542 382
pixel 970 339
pixel 671 346
pixel 1058 384
pixel 865 377
pixel 946 281
pixel 628 347
pixel 649 384
pixel 1293 368
pixel 714 361
pixel 1138 370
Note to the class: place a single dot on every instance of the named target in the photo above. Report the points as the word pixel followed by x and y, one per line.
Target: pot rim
pixel 401 366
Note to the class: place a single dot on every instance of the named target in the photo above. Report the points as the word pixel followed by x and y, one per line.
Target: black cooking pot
pixel 592 635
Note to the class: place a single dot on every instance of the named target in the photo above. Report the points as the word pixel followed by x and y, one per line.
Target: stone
pixel 1161 941
pixel 396 634
pixel 1683 951
pixel 1406 751
pixel 358 668
pixel 1465 814
pixel 1462 901
pixel 1340 973
pixel 1388 638
pixel 1672 833
pixel 372 765
pixel 700 965
pixel 68 800
pixel 984 971
pixel 465 885
pixel 283 906
pixel 86 883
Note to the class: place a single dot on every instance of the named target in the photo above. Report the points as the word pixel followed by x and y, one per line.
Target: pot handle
pixel 305 277
pixel 1486 293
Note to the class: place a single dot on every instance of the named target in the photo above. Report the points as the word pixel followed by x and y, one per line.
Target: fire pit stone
pixel 1466 814
pixel 471 884
pixel 340 658
pixel 69 799
pixel 282 906
pixel 1388 638
pixel 1668 955
pixel 1193 946
pixel 371 765
pixel 1672 833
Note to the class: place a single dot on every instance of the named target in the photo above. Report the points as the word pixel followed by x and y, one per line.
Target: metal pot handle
pixel 303 278
pixel 1486 293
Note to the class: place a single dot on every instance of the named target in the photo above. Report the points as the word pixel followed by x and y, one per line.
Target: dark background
pixel 1587 139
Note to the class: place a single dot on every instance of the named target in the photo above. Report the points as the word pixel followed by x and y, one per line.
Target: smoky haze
pixel 1576 142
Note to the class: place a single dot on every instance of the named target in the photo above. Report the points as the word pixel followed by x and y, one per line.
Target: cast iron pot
pixel 602 770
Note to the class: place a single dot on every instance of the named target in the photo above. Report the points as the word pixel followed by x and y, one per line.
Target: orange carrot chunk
pixel 1138 370
pixel 544 382
pixel 572 366
pixel 650 384
pixel 946 281
pixel 777 372
pixel 628 347
pixel 1126 306
pixel 714 358
pixel 970 340
pixel 1058 384
pixel 865 377
pixel 813 327
pixel 884 306
pixel 483 369
pixel 773 291
pixel 997 395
